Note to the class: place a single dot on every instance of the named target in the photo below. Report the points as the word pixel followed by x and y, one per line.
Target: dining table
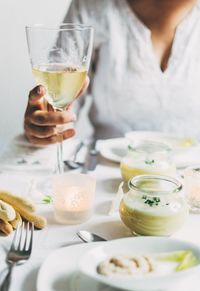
pixel 16 174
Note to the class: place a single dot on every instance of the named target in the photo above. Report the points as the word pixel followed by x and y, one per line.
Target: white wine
pixel 62 83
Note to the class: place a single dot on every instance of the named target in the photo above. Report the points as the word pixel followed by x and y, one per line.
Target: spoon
pixel 72 164
pixel 88 237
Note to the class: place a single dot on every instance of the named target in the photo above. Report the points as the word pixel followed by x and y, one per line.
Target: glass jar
pixel 147 157
pixel 154 205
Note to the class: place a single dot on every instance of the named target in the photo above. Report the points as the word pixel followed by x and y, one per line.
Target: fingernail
pixel 70 132
pixel 39 90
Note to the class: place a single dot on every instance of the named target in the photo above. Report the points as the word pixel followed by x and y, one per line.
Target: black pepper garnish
pixel 151 201
pixel 149 162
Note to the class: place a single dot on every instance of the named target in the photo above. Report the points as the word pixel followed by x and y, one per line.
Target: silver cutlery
pixel 88 237
pixel 20 250
pixel 73 164
pixel 91 158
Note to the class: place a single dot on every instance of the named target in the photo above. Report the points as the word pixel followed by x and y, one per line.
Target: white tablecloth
pixel 56 235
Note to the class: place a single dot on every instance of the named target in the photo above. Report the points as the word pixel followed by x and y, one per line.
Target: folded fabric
pixel 20 155
pixel 21 185
pixel 26 158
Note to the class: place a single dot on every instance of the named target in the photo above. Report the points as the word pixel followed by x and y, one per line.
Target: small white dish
pixel 135 246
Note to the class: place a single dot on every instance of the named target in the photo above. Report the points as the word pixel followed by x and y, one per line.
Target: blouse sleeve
pixel 89 12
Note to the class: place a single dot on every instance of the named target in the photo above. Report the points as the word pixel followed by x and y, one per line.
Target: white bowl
pixel 138 245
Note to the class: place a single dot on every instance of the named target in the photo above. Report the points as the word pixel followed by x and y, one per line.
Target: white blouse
pixel 129 90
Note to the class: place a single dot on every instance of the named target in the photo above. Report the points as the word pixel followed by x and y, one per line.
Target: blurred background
pixel 15 71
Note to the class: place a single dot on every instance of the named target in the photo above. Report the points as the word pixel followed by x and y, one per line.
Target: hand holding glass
pixel 60 57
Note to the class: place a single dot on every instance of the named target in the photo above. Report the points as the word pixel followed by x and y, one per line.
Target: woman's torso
pixel 130 92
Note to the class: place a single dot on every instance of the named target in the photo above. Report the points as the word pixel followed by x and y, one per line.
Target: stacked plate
pixel 185 150
pixel 75 267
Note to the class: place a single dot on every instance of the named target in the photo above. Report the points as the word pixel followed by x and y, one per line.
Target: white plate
pixel 115 149
pixel 139 245
pixel 59 272
pixel 176 143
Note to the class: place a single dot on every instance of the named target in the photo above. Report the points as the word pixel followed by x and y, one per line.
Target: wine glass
pixel 60 56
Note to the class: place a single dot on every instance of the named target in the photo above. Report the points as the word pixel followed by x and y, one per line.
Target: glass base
pixel 71 217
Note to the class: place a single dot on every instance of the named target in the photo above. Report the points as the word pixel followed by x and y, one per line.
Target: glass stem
pixel 60 168
pixel 60 164
pixel 59 128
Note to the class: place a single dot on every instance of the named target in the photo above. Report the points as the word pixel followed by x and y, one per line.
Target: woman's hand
pixel 40 120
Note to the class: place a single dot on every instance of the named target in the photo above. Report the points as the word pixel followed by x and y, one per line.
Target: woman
pixel 146 70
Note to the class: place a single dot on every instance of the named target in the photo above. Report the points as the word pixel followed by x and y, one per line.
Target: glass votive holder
pixel 192 188
pixel 73 198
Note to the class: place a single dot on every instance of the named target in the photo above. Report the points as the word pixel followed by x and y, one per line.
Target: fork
pixel 20 250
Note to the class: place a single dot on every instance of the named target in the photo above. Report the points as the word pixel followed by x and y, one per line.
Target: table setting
pixel 57 248
pixel 115 214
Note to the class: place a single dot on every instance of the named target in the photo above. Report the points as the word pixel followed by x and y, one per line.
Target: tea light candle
pixel 73 198
pixel 192 188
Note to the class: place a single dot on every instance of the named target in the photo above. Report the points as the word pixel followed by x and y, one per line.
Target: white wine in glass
pixel 62 83
pixel 60 57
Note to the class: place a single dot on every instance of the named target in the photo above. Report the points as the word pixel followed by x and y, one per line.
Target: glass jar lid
pixel 155 185
pixel 150 147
